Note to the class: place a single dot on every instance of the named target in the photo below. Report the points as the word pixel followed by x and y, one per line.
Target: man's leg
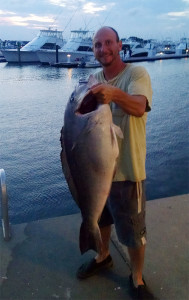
pixel 105 234
pixel 137 262
pixel 101 261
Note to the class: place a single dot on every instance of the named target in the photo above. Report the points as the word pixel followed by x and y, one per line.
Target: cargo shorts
pixel 125 208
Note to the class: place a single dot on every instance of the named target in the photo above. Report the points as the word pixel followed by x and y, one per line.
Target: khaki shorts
pixel 125 208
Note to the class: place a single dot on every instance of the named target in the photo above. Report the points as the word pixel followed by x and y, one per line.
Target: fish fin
pixel 90 238
pixel 115 130
pixel 118 131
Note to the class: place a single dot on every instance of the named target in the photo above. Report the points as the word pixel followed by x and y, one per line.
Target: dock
pixel 156 57
pixel 65 65
pixel 41 259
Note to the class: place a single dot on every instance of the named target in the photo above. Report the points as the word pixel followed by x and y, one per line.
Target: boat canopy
pixel 50 33
pixel 84 34
pixel 80 40
pixel 46 39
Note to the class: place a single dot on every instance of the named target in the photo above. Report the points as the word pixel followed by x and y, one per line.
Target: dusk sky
pixel 161 19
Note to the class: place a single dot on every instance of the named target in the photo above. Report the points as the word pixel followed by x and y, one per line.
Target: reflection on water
pixel 32 104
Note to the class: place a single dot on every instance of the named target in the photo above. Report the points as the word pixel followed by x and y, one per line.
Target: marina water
pixel 32 104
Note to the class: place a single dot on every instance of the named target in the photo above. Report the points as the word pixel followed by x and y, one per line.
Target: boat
pixel 93 63
pixel 65 65
pixel 182 47
pixel 77 49
pixel 167 47
pixel 133 49
pixel 46 39
pixel 152 47
pixel 2 58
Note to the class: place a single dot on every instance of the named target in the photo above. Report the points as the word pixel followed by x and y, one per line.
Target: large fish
pixel 88 156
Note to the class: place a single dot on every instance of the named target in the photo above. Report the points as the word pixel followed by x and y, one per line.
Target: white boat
pixel 182 47
pixel 46 39
pixel 77 49
pixel 93 63
pixel 90 65
pixel 133 49
pixel 2 58
pixel 167 47
pixel 152 48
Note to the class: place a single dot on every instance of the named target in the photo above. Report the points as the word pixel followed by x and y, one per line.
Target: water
pixel 32 104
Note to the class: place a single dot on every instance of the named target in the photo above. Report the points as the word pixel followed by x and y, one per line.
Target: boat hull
pixel 51 57
pixel 15 56
pixel 140 54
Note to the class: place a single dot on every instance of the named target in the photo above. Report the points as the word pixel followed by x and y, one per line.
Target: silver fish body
pixel 89 154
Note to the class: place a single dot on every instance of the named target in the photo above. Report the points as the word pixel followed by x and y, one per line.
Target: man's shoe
pixel 92 267
pixel 141 292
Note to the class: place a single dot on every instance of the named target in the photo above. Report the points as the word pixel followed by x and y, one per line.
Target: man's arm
pixel 134 105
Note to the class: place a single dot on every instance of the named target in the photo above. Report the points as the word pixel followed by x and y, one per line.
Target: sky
pixel 157 19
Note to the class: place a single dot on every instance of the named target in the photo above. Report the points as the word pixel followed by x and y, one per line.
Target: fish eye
pixel 72 97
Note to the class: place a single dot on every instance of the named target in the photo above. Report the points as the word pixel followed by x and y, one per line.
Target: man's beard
pixel 107 64
pixel 104 64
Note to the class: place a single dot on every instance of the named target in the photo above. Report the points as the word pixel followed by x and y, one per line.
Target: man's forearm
pixel 134 105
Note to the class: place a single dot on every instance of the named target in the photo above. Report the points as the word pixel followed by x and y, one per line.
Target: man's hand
pixel 134 105
pixel 103 92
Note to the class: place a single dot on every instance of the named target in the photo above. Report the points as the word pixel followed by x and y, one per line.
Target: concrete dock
pixel 40 260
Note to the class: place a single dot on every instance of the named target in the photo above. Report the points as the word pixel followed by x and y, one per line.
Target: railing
pixel 4 207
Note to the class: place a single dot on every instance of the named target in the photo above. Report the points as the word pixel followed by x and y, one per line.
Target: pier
pixel 41 259
pixel 154 58
pixel 126 60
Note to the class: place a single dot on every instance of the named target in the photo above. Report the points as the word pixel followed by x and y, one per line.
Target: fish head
pixel 81 98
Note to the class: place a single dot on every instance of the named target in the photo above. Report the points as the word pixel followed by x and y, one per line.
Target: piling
pixel 4 208
pixel 56 53
pixel 18 47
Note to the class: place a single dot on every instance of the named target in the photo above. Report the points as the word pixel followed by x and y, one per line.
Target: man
pixel 127 88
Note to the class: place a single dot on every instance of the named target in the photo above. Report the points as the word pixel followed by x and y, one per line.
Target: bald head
pixel 107 46
pixel 105 29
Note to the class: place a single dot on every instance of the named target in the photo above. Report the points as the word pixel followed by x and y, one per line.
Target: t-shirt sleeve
pixel 140 84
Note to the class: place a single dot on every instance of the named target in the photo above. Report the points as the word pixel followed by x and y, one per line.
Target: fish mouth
pixel 88 104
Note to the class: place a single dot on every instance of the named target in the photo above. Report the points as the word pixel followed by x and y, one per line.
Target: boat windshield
pixel 51 33
pixel 84 34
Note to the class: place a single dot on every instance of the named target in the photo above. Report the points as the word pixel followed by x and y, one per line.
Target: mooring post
pixel 4 208
pixel 18 47
pixel 56 53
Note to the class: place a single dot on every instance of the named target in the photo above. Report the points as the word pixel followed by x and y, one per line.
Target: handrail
pixel 4 204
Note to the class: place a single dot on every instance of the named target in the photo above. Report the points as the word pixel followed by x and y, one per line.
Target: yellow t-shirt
pixel 134 80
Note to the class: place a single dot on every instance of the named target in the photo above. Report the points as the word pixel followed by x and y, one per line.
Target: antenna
pixel 58 15
pixel 106 18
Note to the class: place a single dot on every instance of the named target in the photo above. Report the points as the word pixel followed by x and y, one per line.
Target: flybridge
pixel 84 34
pixel 50 33
pixel 80 40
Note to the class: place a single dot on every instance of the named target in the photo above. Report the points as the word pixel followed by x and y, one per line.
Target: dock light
pixel 68 58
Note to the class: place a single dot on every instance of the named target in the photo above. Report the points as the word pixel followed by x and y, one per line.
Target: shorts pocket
pixel 139 226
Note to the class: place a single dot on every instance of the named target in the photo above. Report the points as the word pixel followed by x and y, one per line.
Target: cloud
pixel 17 20
pixel 178 14
pixel 66 3
pixel 175 15
pixel 91 8
pixel 86 7
pixel 6 12
pixel 58 2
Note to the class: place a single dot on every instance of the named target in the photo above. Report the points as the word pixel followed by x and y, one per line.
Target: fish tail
pixel 90 238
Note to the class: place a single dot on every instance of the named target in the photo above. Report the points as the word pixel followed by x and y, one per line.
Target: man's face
pixel 105 46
